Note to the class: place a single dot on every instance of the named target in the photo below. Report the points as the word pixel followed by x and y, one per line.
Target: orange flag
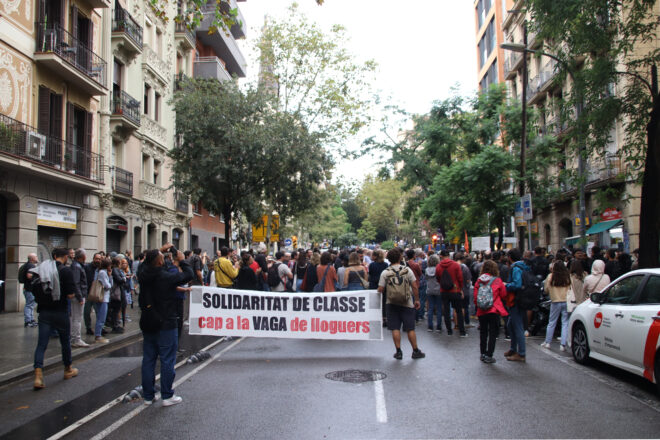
pixel 467 243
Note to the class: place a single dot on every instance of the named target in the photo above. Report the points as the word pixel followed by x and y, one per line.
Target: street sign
pixel 481 243
pixel 519 214
pixel 288 242
pixel 526 202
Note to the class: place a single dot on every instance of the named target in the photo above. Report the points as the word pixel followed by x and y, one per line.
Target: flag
pixel 467 243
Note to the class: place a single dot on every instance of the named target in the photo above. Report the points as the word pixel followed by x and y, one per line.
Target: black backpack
pixel 529 295
pixel 446 281
pixel 22 274
pixel 274 279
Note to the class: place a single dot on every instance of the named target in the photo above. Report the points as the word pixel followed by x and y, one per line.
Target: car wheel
pixel 580 344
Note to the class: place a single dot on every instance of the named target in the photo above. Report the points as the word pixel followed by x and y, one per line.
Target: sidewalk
pixel 19 343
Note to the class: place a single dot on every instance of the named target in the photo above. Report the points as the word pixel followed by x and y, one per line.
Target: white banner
pixel 353 315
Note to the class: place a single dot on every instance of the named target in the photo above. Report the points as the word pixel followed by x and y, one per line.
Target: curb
pixel 51 363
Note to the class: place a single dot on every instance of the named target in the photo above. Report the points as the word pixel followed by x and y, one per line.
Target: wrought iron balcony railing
pixel 123 22
pixel 125 105
pixel 122 181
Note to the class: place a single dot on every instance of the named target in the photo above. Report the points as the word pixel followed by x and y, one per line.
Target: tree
pixel 367 232
pixel 381 203
pixel 347 239
pixel 235 152
pixel 313 75
pixel 608 45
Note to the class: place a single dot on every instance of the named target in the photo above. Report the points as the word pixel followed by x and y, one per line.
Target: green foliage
pixel 325 220
pixel 235 152
pixel 313 75
pixel 387 245
pixel 367 232
pixel 346 240
pixel 381 203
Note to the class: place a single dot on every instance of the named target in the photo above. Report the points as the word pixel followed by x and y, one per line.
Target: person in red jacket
pixel 489 318
pixel 451 291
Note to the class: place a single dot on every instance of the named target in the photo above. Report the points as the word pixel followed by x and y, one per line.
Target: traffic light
pixel 294 242
pixel 435 239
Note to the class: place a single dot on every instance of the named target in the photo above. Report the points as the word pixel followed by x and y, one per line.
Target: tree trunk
pixel 500 233
pixel 226 213
pixel 649 216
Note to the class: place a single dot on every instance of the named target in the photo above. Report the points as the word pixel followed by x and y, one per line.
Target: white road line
pixel 114 402
pixel 617 385
pixel 381 409
pixel 107 431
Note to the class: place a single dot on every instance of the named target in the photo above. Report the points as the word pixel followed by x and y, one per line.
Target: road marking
pixel 107 431
pixel 617 385
pixel 114 402
pixel 381 409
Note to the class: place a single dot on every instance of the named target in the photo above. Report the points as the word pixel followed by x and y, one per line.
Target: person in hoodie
pixel 158 289
pixel 597 281
pixel 453 296
pixel 489 319
pixel 516 319
pixel 433 294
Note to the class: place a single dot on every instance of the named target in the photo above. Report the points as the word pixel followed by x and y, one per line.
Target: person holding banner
pixel 399 284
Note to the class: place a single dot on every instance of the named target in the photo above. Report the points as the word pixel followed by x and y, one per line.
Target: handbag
pixel 115 293
pixel 320 286
pixel 95 293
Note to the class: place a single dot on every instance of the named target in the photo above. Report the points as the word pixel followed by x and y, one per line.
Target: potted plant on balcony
pixel 7 137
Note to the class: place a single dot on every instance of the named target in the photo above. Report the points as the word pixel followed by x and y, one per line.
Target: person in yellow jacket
pixel 225 272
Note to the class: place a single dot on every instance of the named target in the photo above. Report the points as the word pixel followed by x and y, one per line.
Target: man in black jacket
pixel 159 320
pixel 78 303
pixel 90 274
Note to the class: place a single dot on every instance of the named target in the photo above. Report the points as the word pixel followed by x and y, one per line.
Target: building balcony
pixel 98 3
pixel 556 126
pixel 152 193
pixel 70 58
pixel 512 61
pixel 126 109
pixel 184 36
pixel 122 181
pixel 604 169
pixel 179 79
pixel 181 203
pixel 158 67
pixel 154 131
pixel 29 147
pixel 127 31
pixel 211 67
pixel 239 29
pixel 222 43
pixel 540 83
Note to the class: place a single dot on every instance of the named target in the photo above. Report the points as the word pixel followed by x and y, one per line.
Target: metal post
pixel 581 174
pixel 529 235
pixel 523 140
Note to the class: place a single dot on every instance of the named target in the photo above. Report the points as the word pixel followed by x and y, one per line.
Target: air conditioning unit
pixel 35 145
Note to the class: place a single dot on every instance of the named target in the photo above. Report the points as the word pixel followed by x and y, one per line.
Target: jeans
pixel 422 302
pixel 298 284
pixel 87 314
pixel 488 330
pixel 435 303
pixel 354 286
pixel 466 307
pixel 179 315
pixel 75 319
pixel 516 330
pixel 50 320
pixel 30 304
pixel 557 309
pixel 163 345
pixel 454 299
pixel 101 310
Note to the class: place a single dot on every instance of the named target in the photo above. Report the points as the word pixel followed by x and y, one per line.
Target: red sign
pixel 598 320
pixel 611 214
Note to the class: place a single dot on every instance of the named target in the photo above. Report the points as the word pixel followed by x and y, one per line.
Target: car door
pixel 641 327
pixel 610 320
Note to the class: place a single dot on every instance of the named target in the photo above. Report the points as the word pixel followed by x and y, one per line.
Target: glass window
pixel 651 292
pixel 624 291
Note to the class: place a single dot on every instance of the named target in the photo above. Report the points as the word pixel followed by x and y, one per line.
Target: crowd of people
pixel 418 286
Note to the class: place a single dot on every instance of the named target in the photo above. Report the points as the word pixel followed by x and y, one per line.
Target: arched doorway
pixel 565 230
pixel 164 239
pixel 152 237
pixel 548 235
pixel 115 231
pixel 176 237
pixel 137 241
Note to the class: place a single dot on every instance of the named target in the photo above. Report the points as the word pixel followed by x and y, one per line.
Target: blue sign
pixel 288 242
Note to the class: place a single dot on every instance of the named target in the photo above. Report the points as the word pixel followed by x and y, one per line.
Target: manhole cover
pixel 355 376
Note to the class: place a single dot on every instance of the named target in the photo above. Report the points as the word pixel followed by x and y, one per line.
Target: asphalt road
pixel 277 388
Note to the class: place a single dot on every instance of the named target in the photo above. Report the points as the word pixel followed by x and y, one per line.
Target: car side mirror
pixel 597 298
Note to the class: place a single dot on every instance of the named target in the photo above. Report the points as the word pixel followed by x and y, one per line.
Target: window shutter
pixel 42 11
pixel 69 123
pixel 90 36
pixel 88 131
pixel 56 112
pixel 43 124
pixel 74 21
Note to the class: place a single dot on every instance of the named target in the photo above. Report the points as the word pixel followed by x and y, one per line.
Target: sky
pixel 423 48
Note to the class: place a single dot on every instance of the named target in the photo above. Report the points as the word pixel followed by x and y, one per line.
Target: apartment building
pixel 489 15
pixel 614 224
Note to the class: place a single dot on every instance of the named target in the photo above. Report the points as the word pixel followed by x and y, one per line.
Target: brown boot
pixel 39 379
pixel 70 372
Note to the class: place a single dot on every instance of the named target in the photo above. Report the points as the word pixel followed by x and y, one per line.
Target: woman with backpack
pixel 489 292
pixel 326 274
pixel 557 285
pixel 433 294
pixel 310 279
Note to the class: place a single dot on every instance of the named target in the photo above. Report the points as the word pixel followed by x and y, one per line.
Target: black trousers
pixel 456 301
pixel 114 309
pixel 488 330
pixel 179 315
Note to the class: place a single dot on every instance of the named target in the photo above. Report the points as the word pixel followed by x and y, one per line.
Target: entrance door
pixel 113 241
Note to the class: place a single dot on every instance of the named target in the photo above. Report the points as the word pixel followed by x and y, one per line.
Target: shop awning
pixel 571 240
pixel 603 226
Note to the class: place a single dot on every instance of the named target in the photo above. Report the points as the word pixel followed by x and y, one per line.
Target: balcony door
pixel 51 12
pixel 82 31
pixel 79 140
pixel 49 124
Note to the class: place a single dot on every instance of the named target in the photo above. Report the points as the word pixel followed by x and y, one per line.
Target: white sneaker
pixel 149 402
pixel 545 345
pixel 562 348
pixel 79 344
pixel 172 400
pixel 526 334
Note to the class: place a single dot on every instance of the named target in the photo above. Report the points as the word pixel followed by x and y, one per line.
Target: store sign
pixel 117 224
pixel 56 216
pixel 611 214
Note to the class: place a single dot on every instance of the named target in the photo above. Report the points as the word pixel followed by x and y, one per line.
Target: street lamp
pixel 522 48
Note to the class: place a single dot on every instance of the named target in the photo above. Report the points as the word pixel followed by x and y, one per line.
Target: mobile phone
pixel 173 250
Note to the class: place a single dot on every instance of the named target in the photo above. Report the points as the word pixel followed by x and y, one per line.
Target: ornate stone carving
pixel 15 79
pixel 153 193
pixel 135 208
pixel 106 200
pixel 156 64
pixel 153 130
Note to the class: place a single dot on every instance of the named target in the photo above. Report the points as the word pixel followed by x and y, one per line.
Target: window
pixel 624 291
pixel 156 179
pixel 490 77
pixel 157 107
pixel 194 242
pixel 145 166
pixel 197 207
pixel 651 292
pixel 147 92
pixel 487 43
pixel 50 112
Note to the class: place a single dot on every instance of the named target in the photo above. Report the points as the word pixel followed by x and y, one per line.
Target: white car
pixel 621 325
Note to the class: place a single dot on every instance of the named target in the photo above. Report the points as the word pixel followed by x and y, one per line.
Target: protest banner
pixel 352 315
